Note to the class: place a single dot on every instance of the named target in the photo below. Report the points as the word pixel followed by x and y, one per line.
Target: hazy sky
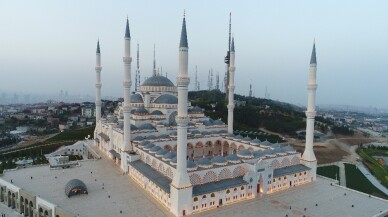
pixel 46 45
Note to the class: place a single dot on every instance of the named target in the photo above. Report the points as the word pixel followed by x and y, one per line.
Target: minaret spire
pixel 154 69
pixel 137 76
pixel 98 82
pixel 231 86
pixel 308 157
pixel 127 95
pixel 181 188
pixel 227 61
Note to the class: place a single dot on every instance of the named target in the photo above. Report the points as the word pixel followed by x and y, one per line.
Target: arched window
pixel 195 199
pixel 212 195
pixel 228 191
pixel 242 188
pixel 204 197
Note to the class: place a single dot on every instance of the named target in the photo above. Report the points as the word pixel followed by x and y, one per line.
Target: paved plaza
pixel 113 194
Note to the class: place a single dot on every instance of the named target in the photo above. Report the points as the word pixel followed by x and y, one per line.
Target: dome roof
pixel 138 138
pixel 163 136
pixel 161 152
pixel 256 141
pixel 133 127
pixel 146 126
pixel 197 132
pixel 169 156
pixel 204 162
pixel 158 81
pixel 149 146
pixel 191 165
pixel 74 187
pixel 238 137
pixel 218 122
pixel 141 111
pixel 136 98
pixel 247 139
pixel 219 160
pixel 144 143
pixel 152 137
pixel 173 161
pixel 195 109
pixel 155 149
pixel 245 154
pixel 258 154
pixel 166 99
pixel 233 158
pixel 266 143
pixel 157 112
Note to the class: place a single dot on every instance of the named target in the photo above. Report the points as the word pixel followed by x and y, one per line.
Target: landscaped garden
pixel 329 171
pixel 379 170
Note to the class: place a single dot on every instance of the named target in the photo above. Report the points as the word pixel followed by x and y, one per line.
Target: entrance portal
pixel 220 202
pixel 258 188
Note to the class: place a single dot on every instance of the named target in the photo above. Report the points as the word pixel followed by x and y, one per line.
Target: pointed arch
pixel 275 164
pixel 161 168
pixel 295 160
pixel 169 173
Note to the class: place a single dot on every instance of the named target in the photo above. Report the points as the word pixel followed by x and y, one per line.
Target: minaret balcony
pixel 127 60
pixel 182 81
pixel 127 84
pixel 98 68
pixel 182 120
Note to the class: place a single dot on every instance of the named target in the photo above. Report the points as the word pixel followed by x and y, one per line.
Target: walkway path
pixel 342 174
pixel 372 178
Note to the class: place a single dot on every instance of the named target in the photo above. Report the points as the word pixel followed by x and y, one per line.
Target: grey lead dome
pixel 158 81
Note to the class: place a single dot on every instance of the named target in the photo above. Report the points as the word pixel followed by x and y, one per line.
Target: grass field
pixel 357 181
pixel 378 170
pixel 329 171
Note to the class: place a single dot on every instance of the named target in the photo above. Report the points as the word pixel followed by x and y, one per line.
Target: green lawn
pixel 329 171
pixel 378 170
pixel 357 181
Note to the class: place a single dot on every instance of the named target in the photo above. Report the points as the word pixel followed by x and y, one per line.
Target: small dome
pixel 218 122
pixel 144 143
pixel 204 162
pixel 152 137
pixel 238 137
pixel 247 139
pixel 158 81
pixel 133 127
pixel 288 149
pixel 146 126
pixel 74 187
pixel 245 154
pixel 223 131
pixel 166 99
pixel 256 141
pixel 196 132
pixel 174 133
pixel 155 149
pixel 163 136
pixel 169 156
pixel 173 161
pixel 233 158
pixel 156 112
pixel 266 143
pixel 161 152
pixel 149 146
pixel 138 138
pixel 207 123
pixel 141 111
pixel 219 160
pixel 136 98
pixel 191 166
pixel 195 109
pixel 205 133
pixel 258 154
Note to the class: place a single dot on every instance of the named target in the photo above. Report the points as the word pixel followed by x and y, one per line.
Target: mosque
pixel 188 162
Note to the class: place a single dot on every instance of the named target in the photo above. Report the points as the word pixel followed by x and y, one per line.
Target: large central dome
pixel 158 80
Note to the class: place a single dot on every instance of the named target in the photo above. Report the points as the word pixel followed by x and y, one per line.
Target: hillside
pixel 257 113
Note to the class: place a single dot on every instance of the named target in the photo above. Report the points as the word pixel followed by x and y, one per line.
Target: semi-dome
pixel 136 98
pixel 146 126
pixel 158 81
pixel 166 99
pixel 74 187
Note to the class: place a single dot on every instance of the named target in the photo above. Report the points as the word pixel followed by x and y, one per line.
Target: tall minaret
pixel 137 78
pixel 98 82
pixel 154 70
pixel 181 189
pixel 308 157
pixel 232 68
pixel 127 94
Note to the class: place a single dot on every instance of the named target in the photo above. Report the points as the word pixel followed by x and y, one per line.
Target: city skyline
pixel 52 45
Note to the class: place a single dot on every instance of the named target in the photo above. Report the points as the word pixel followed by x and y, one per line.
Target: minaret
pixel 227 59
pixel 137 78
pixel 154 70
pixel 232 68
pixel 250 90
pixel 127 94
pixel 98 82
pixel 181 189
pixel 308 157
